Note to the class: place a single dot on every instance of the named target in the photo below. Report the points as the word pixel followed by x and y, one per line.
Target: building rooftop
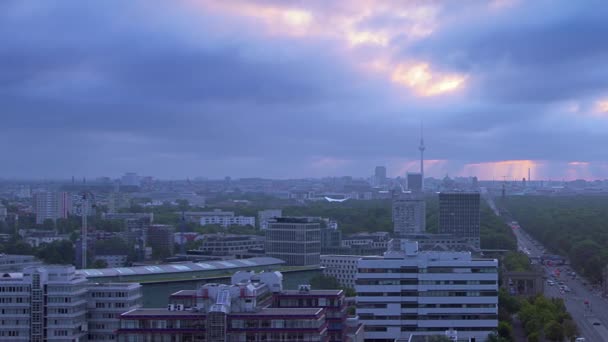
pixel 283 312
pixel 263 312
pixel 313 292
pixel 160 312
pixel 180 267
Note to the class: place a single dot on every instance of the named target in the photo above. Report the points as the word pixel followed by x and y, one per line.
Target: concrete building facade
pixel 410 292
pixel 341 267
pixel 105 303
pixel 459 215
pixel 295 240
pixel 51 303
pixel 160 238
pixel 409 214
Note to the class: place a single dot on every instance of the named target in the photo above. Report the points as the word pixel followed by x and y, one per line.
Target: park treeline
pixel 571 226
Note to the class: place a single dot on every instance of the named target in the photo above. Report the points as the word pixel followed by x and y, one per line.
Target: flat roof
pixel 282 312
pixel 312 292
pixel 180 267
pixel 263 312
pixel 160 312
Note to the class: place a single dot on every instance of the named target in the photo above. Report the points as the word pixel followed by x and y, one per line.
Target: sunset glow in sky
pixel 288 88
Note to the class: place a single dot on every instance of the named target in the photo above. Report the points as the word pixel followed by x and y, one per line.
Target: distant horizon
pixel 95 179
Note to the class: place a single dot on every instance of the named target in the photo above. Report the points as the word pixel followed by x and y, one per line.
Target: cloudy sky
pixel 280 88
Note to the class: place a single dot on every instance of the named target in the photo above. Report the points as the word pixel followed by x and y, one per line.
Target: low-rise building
pixel 370 240
pixel 105 303
pixel 227 221
pixel 438 242
pixel 115 260
pixel 228 244
pixel 127 216
pixel 341 267
pixel 37 237
pixel 253 308
pixel 16 263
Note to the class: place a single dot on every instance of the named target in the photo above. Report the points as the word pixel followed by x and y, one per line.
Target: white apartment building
pixel 105 303
pixel 224 218
pixel 46 303
pixel 341 267
pixel 409 292
pixel 226 221
pixel 43 304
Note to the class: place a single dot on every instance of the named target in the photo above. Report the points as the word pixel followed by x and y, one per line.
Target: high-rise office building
pixel 380 175
pixel 160 238
pixel 51 303
pixel 408 292
pixel 414 182
pixel 409 214
pixel 459 215
pixel 296 240
pixel 51 205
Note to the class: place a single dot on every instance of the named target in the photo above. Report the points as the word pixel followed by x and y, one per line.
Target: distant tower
pixel 529 177
pixel 422 148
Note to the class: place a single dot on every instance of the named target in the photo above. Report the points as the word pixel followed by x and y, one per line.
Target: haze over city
pixel 287 89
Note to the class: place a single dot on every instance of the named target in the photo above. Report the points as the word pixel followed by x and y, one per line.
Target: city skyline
pixel 286 89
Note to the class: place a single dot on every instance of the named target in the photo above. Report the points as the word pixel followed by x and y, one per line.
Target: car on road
pixel 550 282
pixel 596 323
pixel 580 339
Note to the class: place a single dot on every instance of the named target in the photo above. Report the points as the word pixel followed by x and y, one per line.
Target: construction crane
pixel 86 196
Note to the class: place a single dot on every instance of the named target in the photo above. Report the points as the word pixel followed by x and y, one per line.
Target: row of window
pixel 415 328
pixel 430 294
pixel 415 305
pixel 104 294
pixel 447 317
pixel 430 270
pixel 9 289
pixel 9 300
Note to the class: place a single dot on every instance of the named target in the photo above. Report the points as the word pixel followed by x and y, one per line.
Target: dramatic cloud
pixel 303 88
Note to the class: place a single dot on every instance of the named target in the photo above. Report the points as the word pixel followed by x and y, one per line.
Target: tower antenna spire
pixel 422 148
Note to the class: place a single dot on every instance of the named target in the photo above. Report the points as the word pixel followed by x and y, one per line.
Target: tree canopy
pixel 572 226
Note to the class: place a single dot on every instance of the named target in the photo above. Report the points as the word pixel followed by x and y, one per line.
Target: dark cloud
pixel 540 51
pixel 105 87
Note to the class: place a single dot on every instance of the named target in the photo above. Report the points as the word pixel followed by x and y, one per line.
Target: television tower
pixel 422 148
